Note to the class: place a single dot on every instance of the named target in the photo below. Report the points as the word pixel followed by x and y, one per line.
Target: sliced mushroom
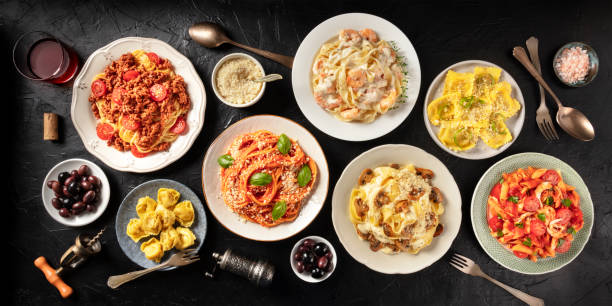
pixel 395 166
pixel 361 207
pixel 408 231
pixel 436 195
pixel 416 193
pixel 402 206
pixel 388 230
pixel 439 230
pixel 375 245
pixel 362 235
pixel 366 176
pixel 381 199
pixel 430 220
pixel 424 173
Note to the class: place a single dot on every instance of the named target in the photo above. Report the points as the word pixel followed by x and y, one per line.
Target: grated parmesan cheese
pixel 234 80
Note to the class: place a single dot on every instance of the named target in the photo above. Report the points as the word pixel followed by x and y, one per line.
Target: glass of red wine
pixel 41 57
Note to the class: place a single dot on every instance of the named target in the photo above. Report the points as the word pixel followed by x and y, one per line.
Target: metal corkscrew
pixel 85 246
pixel 259 272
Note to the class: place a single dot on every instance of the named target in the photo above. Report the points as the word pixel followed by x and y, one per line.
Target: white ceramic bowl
pixel 481 150
pixel 214 79
pixel 85 122
pixel 402 263
pixel 325 121
pixel 305 276
pixel 212 188
pixel 85 217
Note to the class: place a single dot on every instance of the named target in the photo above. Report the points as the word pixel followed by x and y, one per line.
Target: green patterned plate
pixel 479 210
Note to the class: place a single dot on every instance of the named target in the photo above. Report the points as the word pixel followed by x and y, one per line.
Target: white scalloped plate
pixel 85 122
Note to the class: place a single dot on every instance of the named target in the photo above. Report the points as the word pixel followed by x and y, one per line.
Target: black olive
pixel 300 266
pixel 63 176
pixel 297 256
pixel 91 207
pixel 64 212
pixel 66 202
pixel 317 273
pixel 68 181
pixel 321 263
pixel 309 243
pixel 308 258
pixel 56 203
pixel 83 170
pixel 74 188
pixel 320 249
pixel 89 196
pixel 75 174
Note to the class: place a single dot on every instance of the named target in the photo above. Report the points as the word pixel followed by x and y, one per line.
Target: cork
pixel 50 127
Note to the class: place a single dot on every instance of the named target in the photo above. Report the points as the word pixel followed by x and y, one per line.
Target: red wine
pixel 51 61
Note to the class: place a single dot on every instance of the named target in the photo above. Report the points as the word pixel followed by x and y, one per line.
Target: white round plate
pixel 85 122
pixel 212 188
pixel 85 217
pixel 325 121
pixel 402 263
pixel 481 150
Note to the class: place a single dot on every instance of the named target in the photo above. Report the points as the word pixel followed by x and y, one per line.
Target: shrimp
pixel 328 101
pixel 350 36
pixel 356 78
pixel 388 101
pixel 350 114
pixel 369 34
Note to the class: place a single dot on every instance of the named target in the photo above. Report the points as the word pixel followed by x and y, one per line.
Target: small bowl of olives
pixel 313 259
pixel 75 192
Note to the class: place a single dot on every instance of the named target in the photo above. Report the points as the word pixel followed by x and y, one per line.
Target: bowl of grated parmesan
pixel 233 80
pixel 576 64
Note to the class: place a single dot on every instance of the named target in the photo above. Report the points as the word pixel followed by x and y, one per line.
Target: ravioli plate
pixel 481 150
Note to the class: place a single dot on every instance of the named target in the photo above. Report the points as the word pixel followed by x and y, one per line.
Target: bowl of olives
pixel 313 259
pixel 75 192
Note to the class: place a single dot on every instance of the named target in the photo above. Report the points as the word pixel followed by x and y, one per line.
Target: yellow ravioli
pixel 458 83
pixel 443 108
pixel 168 238
pixel 134 230
pixel 167 197
pixel 151 223
pixel 167 216
pixel 184 213
pixel 152 249
pixel 496 135
pixel 457 138
pixel 145 205
pixel 186 238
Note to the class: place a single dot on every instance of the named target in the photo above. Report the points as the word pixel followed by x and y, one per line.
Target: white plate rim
pixel 450 239
pixel 193 132
pixel 490 152
pixel 207 158
pixel 300 80
pixel 87 218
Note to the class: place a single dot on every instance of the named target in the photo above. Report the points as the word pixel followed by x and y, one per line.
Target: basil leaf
pixel 566 202
pixel 571 230
pixel 501 181
pixel 283 144
pixel 500 233
pixel 304 176
pixel 519 225
pixel 279 210
pixel 542 217
pixel 499 216
pixel 549 201
pixel 513 199
pixel 225 160
pixel 527 242
pixel 260 179
pixel 561 241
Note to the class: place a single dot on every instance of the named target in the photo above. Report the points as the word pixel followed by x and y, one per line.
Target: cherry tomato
pixel 154 58
pixel 531 203
pixel 118 94
pixel 158 92
pixel 551 176
pixel 130 124
pixel 98 88
pixel 130 75
pixel 565 215
pixel 495 224
pixel 514 191
pixel 510 208
pixel 105 131
pixel 179 126
pixel 496 191
pixel 538 227
pixel 567 244
pixel 137 153
pixel 520 254
pixel 577 219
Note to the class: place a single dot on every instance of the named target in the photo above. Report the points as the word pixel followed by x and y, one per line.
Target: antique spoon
pixel 269 78
pixel 211 35
pixel 571 120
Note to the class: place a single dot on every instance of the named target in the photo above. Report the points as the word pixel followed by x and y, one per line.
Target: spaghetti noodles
pixel 140 102
pixel 262 184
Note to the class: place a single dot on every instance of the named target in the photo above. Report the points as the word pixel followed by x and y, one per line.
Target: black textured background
pixel 442 34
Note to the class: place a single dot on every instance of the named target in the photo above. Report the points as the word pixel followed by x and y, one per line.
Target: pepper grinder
pixel 259 272
pixel 84 247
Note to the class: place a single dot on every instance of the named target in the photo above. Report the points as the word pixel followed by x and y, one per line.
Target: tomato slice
pixel 538 227
pixel 496 191
pixel 137 153
pixel 105 131
pixel 495 224
pixel 130 75
pixel 531 203
pixel 158 92
pixel 551 176
pixel 567 244
pixel 179 126
pixel 130 124
pixel 153 57
pixel 118 94
pixel 564 214
pixel 520 254
pixel 98 88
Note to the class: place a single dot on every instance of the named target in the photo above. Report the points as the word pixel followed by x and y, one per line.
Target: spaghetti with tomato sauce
pixel 534 213
pixel 141 104
pixel 266 177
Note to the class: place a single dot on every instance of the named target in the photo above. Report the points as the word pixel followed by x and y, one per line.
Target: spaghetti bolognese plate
pixel 255 180
pixel 85 121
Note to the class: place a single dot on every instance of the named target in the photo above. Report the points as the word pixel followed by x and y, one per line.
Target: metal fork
pixel 545 123
pixel 468 266
pixel 181 258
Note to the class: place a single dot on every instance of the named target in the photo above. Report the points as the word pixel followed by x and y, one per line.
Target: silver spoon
pixel 571 120
pixel 269 78
pixel 211 35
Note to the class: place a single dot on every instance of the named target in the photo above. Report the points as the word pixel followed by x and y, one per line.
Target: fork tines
pixel 547 128
pixel 459 261
pixel 190 254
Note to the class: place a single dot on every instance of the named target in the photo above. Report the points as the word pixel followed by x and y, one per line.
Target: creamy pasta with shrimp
pixel 357 76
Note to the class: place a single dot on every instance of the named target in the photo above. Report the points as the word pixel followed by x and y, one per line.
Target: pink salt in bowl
pixel 572 68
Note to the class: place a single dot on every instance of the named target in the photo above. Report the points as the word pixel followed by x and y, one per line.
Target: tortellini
pixel 158 218
pixel 184 213
pixel 474 105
